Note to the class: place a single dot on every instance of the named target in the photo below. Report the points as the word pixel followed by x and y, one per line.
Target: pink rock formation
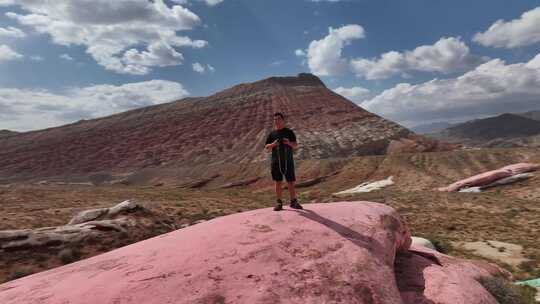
pixel 521 168
pixel 330 253
pixel 477 180
pixel 427 276
pixel 486 178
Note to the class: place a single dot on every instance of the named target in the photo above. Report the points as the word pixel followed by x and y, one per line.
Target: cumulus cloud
pixel 7 54
pixel 324 56
pixel 299 53
pixel 356 94
pixel 36 58
pixel 445 56
pixel 36 109
pixel 200 68
pixel 515 33
pixel 11 32
pixel 114 33
pixel 208 2
pixel 276 63
pixel 491 88
pixel 66 57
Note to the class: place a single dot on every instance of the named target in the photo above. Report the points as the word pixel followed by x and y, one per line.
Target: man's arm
pixel 271 146
pixel 292 144
pixel 292 141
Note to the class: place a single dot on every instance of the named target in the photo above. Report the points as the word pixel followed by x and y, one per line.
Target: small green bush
pixel 506 292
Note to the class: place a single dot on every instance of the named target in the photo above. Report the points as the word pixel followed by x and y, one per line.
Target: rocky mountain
pixel 531 114
pixel 6 133
pixel 228 127
pixel 431 127
pixel 506 130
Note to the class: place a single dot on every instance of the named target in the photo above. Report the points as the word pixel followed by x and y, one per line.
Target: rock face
pixel 349 252
pixel 80 227
pixel 90 232
pixel 224 128
pixel 426 276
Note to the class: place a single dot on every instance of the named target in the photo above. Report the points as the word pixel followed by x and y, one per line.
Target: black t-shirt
pixel 285 151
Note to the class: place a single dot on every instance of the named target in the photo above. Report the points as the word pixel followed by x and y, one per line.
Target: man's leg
pixel 292 193
pixel 279 190
pixel 277 177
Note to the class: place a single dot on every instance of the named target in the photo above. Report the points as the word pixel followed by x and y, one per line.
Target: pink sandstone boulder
pixel 486 178
pixel 329 253
pixel 427 276
pixel 521 168
pixel 477 180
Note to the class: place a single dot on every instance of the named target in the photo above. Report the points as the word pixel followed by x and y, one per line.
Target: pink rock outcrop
pixel 521 168
pixel 347 252
pixel 426 276
pixel 477 180
pixel 489 177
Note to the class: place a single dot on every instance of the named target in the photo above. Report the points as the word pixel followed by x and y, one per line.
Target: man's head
pixel 279 120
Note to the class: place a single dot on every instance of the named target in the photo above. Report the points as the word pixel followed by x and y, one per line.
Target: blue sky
pixel 410 61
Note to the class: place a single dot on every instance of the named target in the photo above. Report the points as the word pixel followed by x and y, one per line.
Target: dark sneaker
pixel 295 205
pixel 279 205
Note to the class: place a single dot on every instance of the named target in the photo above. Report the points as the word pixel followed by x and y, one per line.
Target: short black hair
pixel 280 115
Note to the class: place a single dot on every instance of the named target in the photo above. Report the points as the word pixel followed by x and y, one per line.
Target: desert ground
pixel 509 214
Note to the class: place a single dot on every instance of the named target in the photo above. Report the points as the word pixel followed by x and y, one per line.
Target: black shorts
pixel 277 174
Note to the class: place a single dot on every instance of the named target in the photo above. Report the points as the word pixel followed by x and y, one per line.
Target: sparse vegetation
pixel 442 245
pixel 506 292
pixel 17 274
pixel 69 255
pixel 531 267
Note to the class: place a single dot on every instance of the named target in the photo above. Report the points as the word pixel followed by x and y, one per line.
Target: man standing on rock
pixel 281 141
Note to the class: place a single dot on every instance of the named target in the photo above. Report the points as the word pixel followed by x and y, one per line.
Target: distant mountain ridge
pixel 431 127
pixel 531 115
pixel 505 130
pixel 4 133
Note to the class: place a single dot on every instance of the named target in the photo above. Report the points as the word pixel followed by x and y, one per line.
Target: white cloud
pixel 515 33
pixel 445 56
pixel 324 56
pixel 36 58
pixel 276 63
pixel 158 54
pixel 299 53
pixel 24 109
pixel 208 2
pixel 200 68
pixel 11 32
pixel 7 54
pixel 197 67
pixel 213 2
pixel 66 57
pixel 114 33
pixel 356 94
pixel 493 87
